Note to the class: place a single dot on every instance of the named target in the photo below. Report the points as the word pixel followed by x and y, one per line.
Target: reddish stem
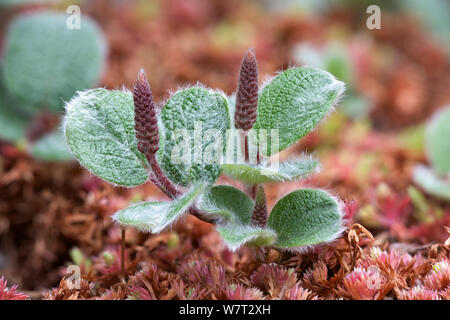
pixel 246 151
pixel 170 189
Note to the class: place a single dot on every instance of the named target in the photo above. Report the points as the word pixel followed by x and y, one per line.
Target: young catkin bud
pixel 260 213
pixel 247 92
pixel 145 119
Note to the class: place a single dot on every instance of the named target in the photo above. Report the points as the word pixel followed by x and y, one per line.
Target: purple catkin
pixel 247 92
pixel 146 128
pixel 260 213
pixel 146 122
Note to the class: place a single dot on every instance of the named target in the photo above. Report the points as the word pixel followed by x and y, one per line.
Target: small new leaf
pixel 287 171
pixel 227 204
pixel 233 210
pixel 305 217
pixel 99 129
pixel 235 235
pixel 154 217
pixel 295 102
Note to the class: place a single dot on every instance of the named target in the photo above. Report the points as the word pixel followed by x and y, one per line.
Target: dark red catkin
pixel 247 98
pixel 146 128
pixel 145 119
pixel 247 92
pixel 260 213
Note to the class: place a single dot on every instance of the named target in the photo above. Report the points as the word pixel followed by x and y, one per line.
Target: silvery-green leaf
pixel 294 102
pixel 154 217
pixel 431 183
pixel 227 204
pixel 438 141
pixel 99 128
pixel 286 171
pixel 305 217
pixel 52 62
pixel 235 235
pixel 51 147
pixel 183 155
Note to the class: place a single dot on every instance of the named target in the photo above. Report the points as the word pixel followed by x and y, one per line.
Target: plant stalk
pixel 169 187
pixel 158 177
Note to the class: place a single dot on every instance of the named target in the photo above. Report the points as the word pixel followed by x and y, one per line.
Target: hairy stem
pixel 169 187
pixel 246 149
pixel 156 182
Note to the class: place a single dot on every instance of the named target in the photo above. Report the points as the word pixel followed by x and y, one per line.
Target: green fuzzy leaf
pixel 99 128
pixel 287 171
pixel 45 62
pixel 431 183
pixel 236 235
pixel 294 103
pixel 233 209
pixel 178 118
pixel 12 125
pixel 305 217
pixel 438 141
pixel 154 217
pixel 227 204
pixel 52 147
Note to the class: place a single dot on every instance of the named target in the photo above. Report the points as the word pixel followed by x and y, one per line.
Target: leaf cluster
pixel 100 130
